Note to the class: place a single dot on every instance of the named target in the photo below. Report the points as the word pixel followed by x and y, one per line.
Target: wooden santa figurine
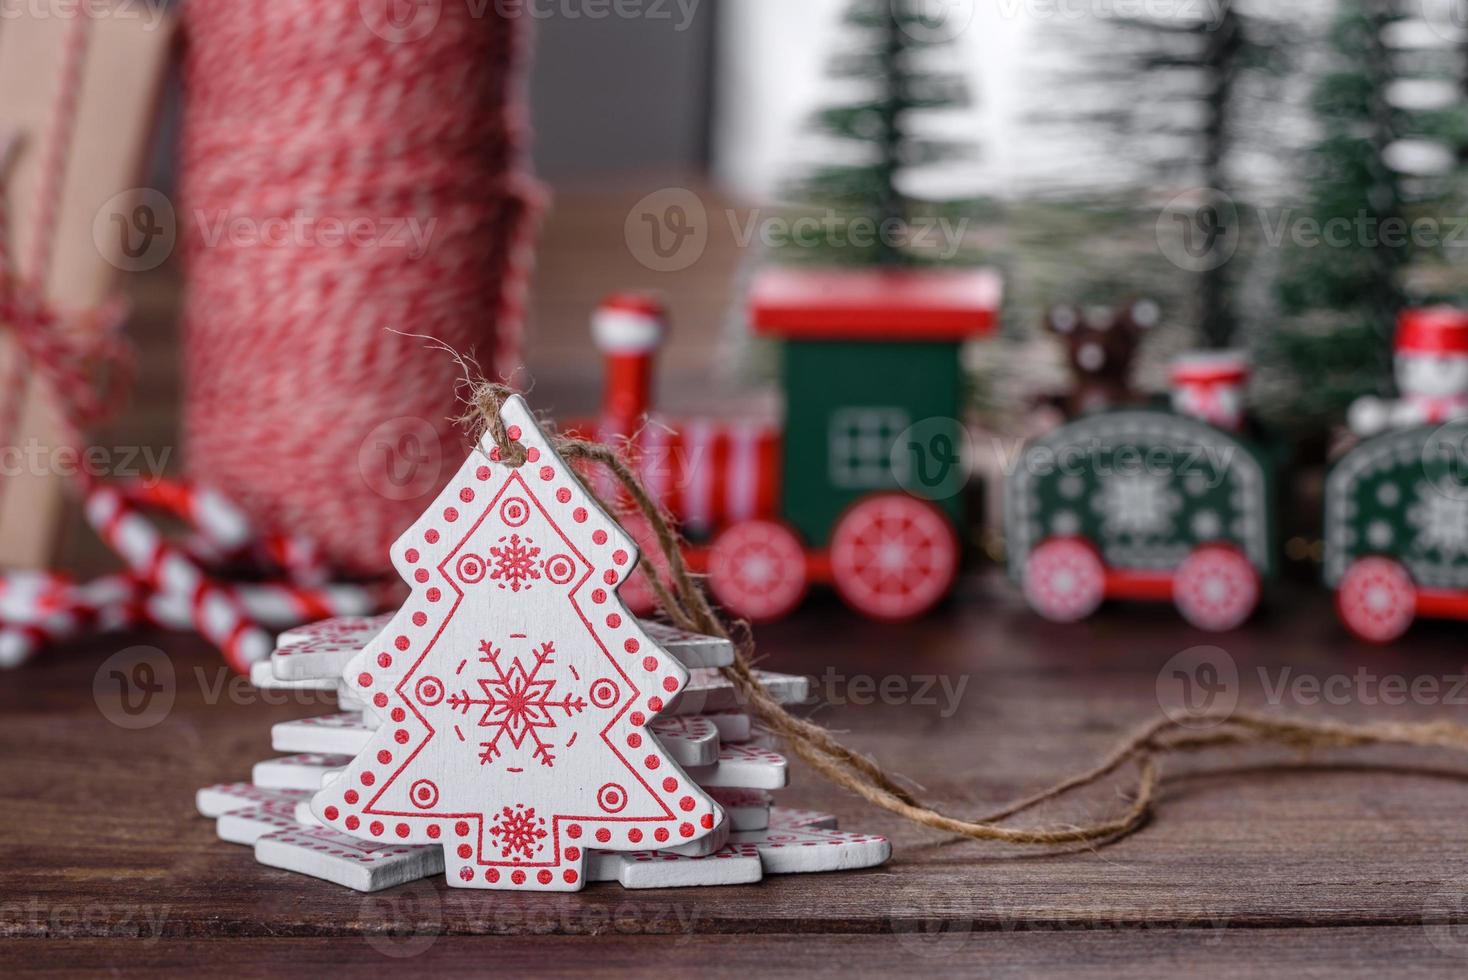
pixel 1210 386
pixel 1431 370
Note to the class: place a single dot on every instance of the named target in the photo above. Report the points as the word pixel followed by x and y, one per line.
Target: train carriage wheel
pixel 1377 599
pixel 1216 588
pixel 893 557
pixel 1065 580
pixel 757 570
pixel 636 593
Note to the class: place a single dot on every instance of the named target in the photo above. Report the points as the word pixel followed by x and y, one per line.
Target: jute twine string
pixel 684 602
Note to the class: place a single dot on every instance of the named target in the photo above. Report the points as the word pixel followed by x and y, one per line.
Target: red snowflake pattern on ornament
pixel 517 703
pixel 518 832
pixel 514 564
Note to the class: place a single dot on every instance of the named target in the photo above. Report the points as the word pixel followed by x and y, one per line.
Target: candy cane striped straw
pixel 223 524
pixel 300 558
pixel 20 642
pixel 170 584
pixel 34 620
pixel 32 593
pixel 281 605
pixel 227 530
pixel 214 609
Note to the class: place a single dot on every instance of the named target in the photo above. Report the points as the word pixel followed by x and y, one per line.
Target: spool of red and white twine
pixel 343 177
pixel 346 175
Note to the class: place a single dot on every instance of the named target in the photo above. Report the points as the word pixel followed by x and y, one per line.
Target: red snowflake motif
pixel 518 832
pixel 514 564
pixel 517 703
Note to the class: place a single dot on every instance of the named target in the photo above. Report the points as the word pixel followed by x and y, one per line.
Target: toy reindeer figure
pixel 1432 373
pixel 1100 347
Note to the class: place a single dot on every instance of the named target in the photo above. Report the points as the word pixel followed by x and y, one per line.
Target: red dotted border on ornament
pixel 255 794
pixel 688 726
pixel 263 815
pixel 723 853
pixel 735 796
pixel 301 839
pixel 784 836
pixel 736 752
pixel 339 627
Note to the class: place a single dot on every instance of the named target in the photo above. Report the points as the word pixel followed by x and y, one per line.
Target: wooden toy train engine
pixel 823 496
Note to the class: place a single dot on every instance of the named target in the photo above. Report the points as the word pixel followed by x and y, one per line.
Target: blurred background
pixel 1070 129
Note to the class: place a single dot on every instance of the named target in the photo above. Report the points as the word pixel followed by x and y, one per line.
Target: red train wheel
pixel 893 557
pixel 1065 580
pixel 757 570
pixel 1377 599
pixel 636 594
pixel 1216 588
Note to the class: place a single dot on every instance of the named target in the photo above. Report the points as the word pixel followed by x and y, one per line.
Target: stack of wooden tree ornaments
pixel 512 726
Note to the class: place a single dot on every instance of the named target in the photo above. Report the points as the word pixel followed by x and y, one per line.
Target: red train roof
pixel 875 304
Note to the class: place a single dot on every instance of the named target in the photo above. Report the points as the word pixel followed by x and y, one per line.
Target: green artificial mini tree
pixel 1176 96
pixel 1340 303
pixel 1339 298
pixel 863 194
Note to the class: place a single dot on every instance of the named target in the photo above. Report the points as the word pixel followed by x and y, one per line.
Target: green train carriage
pixel 1396 530
pixel 1142 504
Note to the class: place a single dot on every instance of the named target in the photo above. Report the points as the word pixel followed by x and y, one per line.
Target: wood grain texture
pixel 1255 865
pixel 102 815
pixel 1326 954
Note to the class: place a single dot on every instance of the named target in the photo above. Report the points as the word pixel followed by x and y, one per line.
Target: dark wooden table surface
pixel 1257 863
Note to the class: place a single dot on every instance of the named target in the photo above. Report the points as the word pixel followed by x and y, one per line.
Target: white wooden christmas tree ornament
pixel 733 726
pixel 358 628
pixel 262 675
pixel 691 740
pixel 691 649
pixel 350 702
pixel 515 689
pixel 366 866
pixel 249 825
pixel 802 850
pixel 224 797
pixel 322 656
pixel 709 691
pixel 744 809
pixel 342 733
pixel 304 771
pixel 733 864
pixel 321 650
pixel 784 816
pixel 744 767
